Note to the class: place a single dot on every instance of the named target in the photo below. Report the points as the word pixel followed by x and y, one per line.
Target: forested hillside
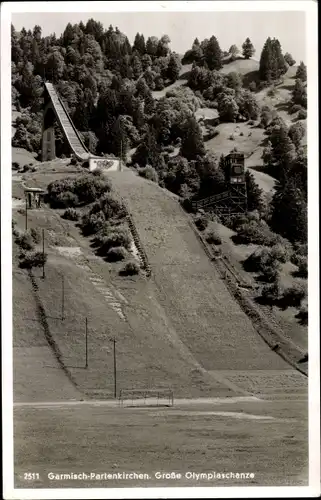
pixel 107 85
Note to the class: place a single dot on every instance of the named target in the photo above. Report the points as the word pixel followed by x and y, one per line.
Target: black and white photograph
pixel 159 215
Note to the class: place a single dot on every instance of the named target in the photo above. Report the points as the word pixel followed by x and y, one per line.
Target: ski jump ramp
pixel 54 108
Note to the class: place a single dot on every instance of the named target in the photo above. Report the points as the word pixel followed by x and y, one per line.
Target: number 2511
pixel 30 476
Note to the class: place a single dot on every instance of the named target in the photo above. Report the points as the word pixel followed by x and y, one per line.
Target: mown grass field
pixel 268 439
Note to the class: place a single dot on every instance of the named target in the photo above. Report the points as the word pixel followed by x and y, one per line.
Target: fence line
pixel 137 240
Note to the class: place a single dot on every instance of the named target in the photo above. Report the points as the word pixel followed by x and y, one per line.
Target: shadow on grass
pixel 94 244
pixel 283 106
pixel 286 87
pixel 302 316
pixel 265 141
pixel 184 76
pixel 239 239
pixel 251 76
pixel 299 274
pixel 283 304
pixel 265 169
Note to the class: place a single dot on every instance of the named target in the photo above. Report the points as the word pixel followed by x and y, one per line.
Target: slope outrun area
pixel 205 316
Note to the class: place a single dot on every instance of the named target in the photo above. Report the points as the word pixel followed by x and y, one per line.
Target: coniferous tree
pixel 283 151
pixel 254 193
pixel 174 67
pixel 192 141
pixel 248 50
pixel 301 72
pixel 281 65
pixel 148 151
pixel 222 165
pixel 213 54
pixel 265 61
pixel 299 93
pixel 289 212
pixel 152 45
pixel 212 178
pixel 272 62
pixel 139 44
pixel 120 142
pixel 267 155
pixel 136 67
pixel 299 172
pixel 296 134
pixel 16 51
pixel 197 52
pixel 81 118
pixel 149 106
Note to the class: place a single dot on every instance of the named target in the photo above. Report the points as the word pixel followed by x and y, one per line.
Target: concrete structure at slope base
pixel 48 131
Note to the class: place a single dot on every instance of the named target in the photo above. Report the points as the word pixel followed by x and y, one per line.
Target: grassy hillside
pixel 147 357
pixel 182 81
pixel 37 374
pixel 245 137
pixel 248 138
pixel 192 292
pixel 178 329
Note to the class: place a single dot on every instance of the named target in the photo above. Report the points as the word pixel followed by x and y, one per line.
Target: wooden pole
pixel 62 297
pixel 26 212
pixel 115 368
pixel 43 254
pixel 115 371
pixel 86 326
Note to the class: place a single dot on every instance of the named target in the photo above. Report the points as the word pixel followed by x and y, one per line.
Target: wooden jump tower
pixel 234 200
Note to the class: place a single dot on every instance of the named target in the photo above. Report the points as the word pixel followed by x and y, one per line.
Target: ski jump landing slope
pixel 205 316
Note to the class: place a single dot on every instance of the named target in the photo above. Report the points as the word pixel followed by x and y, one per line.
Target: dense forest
pixel 107 85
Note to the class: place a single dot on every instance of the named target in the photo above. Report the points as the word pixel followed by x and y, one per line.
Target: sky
pixel 183 27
